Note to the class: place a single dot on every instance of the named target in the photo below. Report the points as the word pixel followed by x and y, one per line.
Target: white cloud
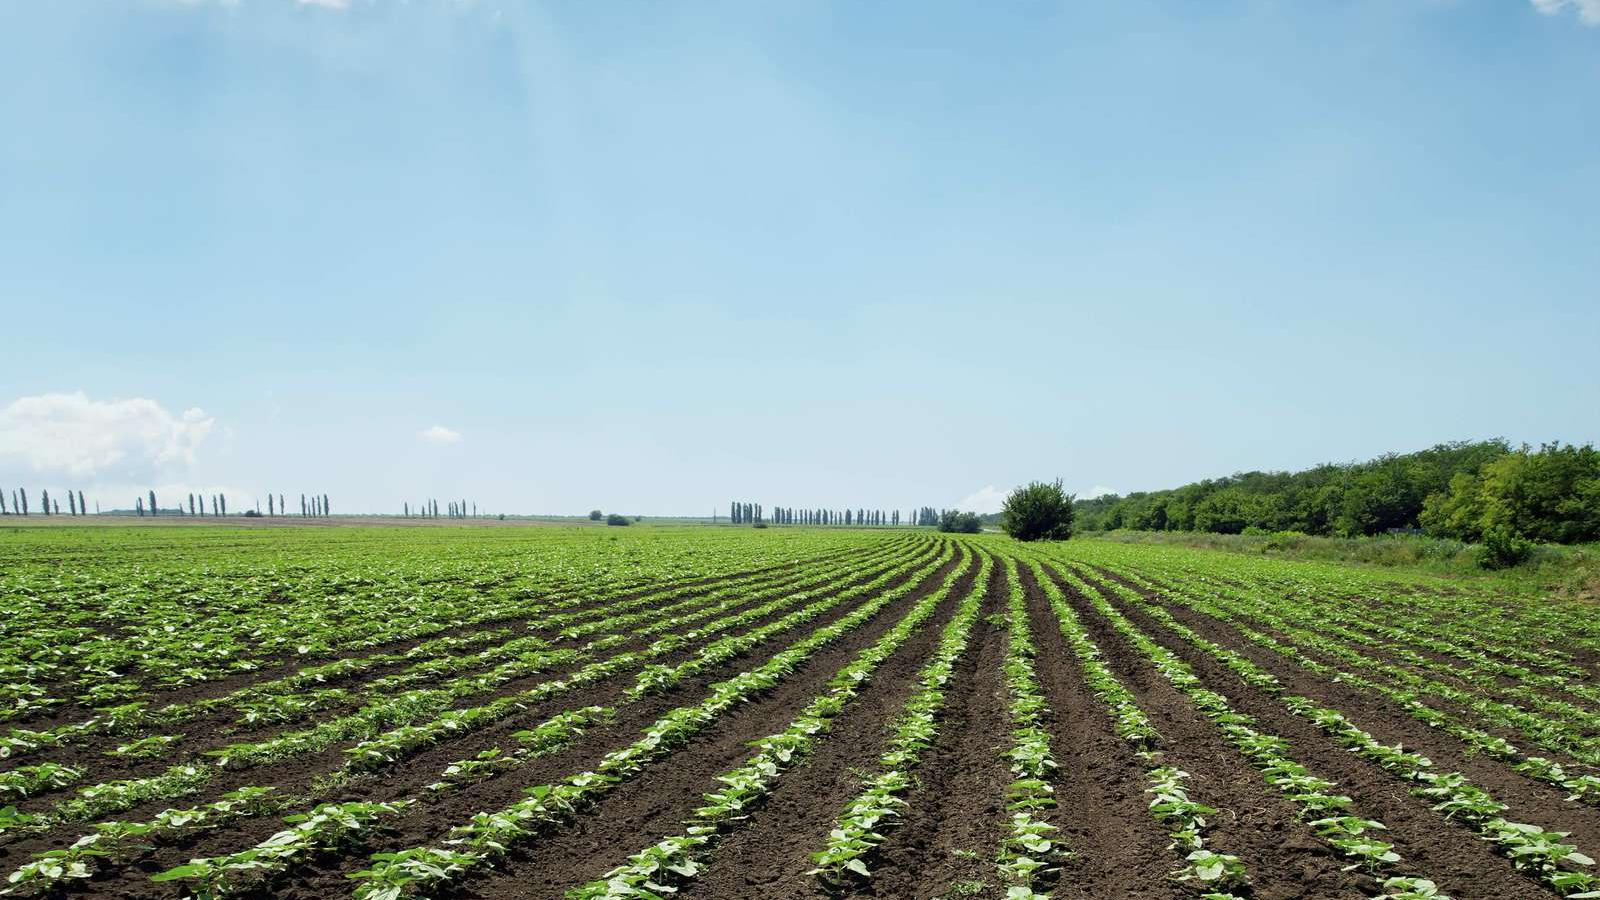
pixel 439 434
pixel 73 435
pixel 1098 490
pixel 326 4
pixel 987 499
pixel 1588 10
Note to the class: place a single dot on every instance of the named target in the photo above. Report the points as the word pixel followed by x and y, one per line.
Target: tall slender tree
pixel 44 500
pixel 138 504
pixel 72 503
pixel 3 510
pixel 24 504
pixel 80 503
pixel 154 510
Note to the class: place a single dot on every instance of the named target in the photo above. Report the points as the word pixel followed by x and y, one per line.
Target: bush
pixel 960 522
pixel 595 515
pixel 615 519
pixel 759 525
pixel 1039 511
pixel 1503 549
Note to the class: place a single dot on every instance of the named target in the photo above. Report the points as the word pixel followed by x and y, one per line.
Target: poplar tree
pixel 72 503
pixel 154 510
pixel 24 505
pixel 3 510
pixel 138 504
pixel 45 500
pixel 80 504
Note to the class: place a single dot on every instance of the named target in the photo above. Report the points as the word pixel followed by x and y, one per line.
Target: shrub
pixel 1039 511
pixel 615 519
pixel 595 515
pixel 960 522
pixel 759 525
pixel 1503 549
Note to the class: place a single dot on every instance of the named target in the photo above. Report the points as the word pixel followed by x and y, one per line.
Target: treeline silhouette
pixel 1469 491
pixel 741 513
pixel 429 509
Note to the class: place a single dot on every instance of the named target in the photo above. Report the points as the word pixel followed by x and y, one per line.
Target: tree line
pixel 20 506
pixel 740 513
pixel 311 505
pixel 1470 491
pixel 429 509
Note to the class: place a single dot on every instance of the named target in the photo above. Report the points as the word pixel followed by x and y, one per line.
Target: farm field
pixel 385 712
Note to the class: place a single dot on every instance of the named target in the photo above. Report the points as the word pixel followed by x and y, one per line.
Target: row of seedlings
pixel 1408 691
pixel 663 867
pixel 555 732
pixel 487 836
pixel 1219 876
pixel 1331 816
pixel 1533 850
pixel 1028 850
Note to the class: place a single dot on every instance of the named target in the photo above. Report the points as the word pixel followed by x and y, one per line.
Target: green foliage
pixel 1039 511
pixel 957 522
pixel 1551 495
pixel 615 519
pixel 596 515
pixel 1503 549
pixel 1460 490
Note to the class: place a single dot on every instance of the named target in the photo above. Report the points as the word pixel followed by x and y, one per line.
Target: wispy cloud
pixel 73 435
pixel 1588 10
pixel 439 434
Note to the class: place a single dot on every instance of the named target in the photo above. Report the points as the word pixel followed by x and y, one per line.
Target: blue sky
pixel 653 256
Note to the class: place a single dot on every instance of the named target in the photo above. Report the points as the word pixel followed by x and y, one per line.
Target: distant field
pixel 582 711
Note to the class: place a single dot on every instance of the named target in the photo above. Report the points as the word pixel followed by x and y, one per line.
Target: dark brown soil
pixel 217 730
pixel 1530 800
pixel 1116 849
pixel 1254 821
pixel 957 812
pixel 286 665
pixel 1453 856
pixel 619 825
pixel 945 844
pixel 409 779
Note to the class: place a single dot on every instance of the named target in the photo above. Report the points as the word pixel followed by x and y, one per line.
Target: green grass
pixel 1568 571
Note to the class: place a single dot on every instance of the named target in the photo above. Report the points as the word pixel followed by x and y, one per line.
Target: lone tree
pixel 595 515
pixel 1038 511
